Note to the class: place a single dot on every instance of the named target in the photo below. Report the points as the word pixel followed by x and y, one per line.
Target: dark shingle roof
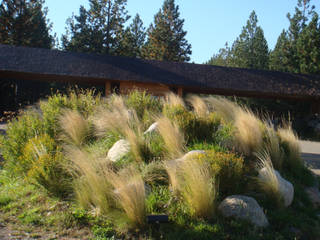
pixel 43 62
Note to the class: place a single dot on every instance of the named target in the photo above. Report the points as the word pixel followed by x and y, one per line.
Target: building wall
pixel 126 87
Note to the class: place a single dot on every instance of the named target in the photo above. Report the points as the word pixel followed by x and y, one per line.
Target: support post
pixel 180 92
pixel 107 88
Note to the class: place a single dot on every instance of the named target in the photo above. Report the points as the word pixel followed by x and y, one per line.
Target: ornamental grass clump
pixel 173 100
pixel 129 193
pixel 120 120
pixel 75 128
pixel 91 185
pixel 248 134
pixel 226 108
pixel 194 180
pixel 268 181
pixel 173 138
pixel 272 146
pixel 290 142
pixel 199 106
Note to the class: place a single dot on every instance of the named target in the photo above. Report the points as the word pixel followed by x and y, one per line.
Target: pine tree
pixel 166 37
pixel 250 50
pixel 133 39
pixel 308 46
pixel 98 29
pixel 298 48
pixel 222 58
pixel 24 23
pixel 278 57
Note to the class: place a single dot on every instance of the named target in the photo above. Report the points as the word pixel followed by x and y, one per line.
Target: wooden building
pixel 122 74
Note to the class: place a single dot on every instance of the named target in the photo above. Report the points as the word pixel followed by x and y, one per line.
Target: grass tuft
pixel 199 106
pixel 267 180
pixel 195 181
pixel 130 194
pixel 75 128
pixel 248 134
pixel 91 186
pixel 291 145
pixel 120 120
pixel 173 137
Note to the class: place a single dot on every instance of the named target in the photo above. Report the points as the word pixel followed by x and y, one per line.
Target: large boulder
pixel 245 208
pixel 285 187
pixel 118 150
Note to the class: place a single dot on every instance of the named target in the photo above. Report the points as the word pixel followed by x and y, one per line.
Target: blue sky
pixel 210 23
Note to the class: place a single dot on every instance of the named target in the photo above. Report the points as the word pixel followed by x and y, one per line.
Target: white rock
pixel 285 187
pixel 118 150
pixel 193 153
pixel 153 127
pixel 243 207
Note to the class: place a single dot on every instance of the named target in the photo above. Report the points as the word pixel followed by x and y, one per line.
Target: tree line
pixel 297 49
pixel 105 27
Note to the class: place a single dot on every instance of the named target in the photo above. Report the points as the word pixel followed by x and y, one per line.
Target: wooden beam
pixel 180 92
pixel 107 88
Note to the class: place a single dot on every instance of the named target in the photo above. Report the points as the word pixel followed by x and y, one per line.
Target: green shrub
pixel 83 101
pixel 228 168
pixel 143 104
pixel 43 161
pixel 195 128
pixel 19 131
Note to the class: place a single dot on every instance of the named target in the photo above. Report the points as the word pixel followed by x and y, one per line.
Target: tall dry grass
pixel 272 145
pixel 226 108
pixel 130 193
pixel 291 143
pixel 195 182
pixel 173 137
pixel 75 128
pixel 122 121
pixel 267 180
pixel 199 106
pixel 92 187
pixel 173 100
pixel 248 134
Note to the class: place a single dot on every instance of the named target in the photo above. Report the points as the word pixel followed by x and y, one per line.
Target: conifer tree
pixel 98 29
pixel 132 39
pixel 166 37
pixel 250 50
pixel 24 23
pixel 298 48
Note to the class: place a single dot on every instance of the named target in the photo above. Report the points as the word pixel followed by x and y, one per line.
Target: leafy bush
pixel 83 101
pixel 43 161
pixel 143 104
pixel 195 128
pixel 19 131
pixel 228 169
